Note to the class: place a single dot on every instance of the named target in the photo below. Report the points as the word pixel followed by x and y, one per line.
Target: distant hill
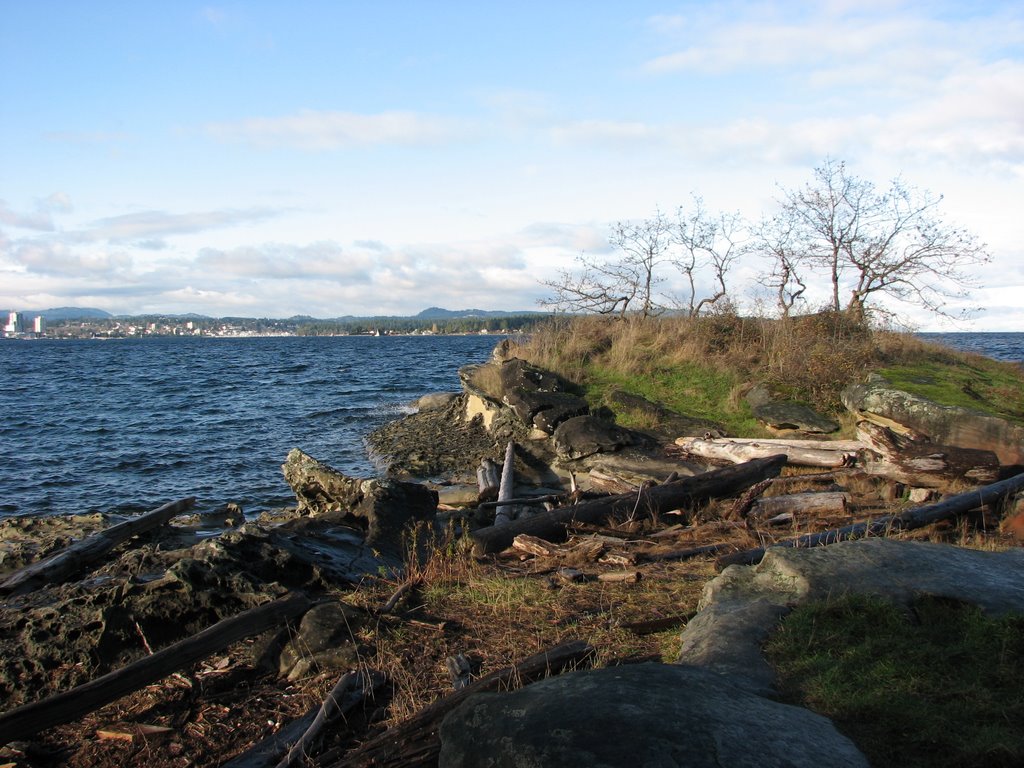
pixel 438 313
pixel 60 314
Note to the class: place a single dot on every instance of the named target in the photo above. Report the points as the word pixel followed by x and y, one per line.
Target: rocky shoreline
pixel 167 585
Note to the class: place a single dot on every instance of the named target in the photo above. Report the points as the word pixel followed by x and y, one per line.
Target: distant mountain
pixel 438 313
pixel 59 314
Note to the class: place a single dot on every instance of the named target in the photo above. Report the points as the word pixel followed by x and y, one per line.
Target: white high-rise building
pixel 39 325
pixel 15 323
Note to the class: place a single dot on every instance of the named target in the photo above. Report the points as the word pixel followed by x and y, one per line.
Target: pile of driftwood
pixel 880 452
pixel 888 451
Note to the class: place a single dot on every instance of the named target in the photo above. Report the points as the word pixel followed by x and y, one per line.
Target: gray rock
pixel 544 410
pixel 878 401
pixel 324 641
pixel 385 505
pixel 658 419
pixel 743 604
pixel 435 401
pixel 643 715
pixel 789 415
pixel 586 435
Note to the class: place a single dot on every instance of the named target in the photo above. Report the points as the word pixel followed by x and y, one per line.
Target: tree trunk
pixel 415 742
pixel 688 491
pixel 27 720
pixel 60 565
pixel 909 520
pixel 736 452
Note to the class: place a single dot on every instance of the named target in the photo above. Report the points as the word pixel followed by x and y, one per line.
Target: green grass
pixel 982 385
pixel 937 686
pixel 693 390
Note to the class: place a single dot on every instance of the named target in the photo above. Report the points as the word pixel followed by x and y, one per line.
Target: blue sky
pixel 333 158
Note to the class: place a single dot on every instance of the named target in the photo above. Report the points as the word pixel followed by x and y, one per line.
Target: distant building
pixel 15 324
pixel 39 325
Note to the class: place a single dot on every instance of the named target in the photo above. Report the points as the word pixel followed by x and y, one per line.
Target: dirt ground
pixel 490 612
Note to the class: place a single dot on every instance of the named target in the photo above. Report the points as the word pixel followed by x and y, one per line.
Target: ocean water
pixel 1008 347
pixel 123 425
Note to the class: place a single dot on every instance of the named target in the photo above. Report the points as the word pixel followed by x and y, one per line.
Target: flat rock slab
pixel 788 415
pixel 743 604
pixel 642 715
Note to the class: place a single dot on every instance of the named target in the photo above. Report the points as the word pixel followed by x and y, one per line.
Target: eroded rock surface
pixel 878 401
pixel 640 714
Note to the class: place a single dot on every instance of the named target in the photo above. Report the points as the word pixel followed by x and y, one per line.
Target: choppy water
pixel 1001 346
pixel 131 424
pixel 126 424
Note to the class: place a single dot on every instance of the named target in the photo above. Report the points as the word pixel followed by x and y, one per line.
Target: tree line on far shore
pixel 863 243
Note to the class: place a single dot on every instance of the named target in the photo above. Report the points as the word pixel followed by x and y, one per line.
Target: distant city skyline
pixel 327 159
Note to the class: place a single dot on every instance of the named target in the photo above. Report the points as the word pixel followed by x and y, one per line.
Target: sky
pixel 350 158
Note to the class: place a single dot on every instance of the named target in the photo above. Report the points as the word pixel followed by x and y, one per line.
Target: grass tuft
pixel 935 686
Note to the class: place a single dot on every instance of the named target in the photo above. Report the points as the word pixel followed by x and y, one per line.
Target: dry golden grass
pixel 810 357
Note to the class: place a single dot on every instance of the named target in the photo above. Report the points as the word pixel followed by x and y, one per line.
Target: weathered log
pixel 415 742
pixel 505 512
pixel 531 545
pixel 726 449
pixel 687 491
pixel 488 478
pixel 828 503
pixel 849 446
pixel 612 483
pixel 26 720
pixel 524 500
pixel 921 463
pixel 348 692
pixel 264 753
pixel 73 558
pixel 905 521
pixel 620 577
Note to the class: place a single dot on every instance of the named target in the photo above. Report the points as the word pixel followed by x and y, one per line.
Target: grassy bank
pixel 703 367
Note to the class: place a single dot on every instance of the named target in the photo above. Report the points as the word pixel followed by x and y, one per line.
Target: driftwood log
pixel 29 719
pixel 488 478
pixel 60 565
pixel 827 503
pixel 351 690
pixel 415 742
pixel 505 511
pixel 922 464
pixel 687 491
pixel 806 453
pixel 905 521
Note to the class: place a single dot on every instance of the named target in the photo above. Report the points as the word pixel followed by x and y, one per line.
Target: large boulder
pixel 743 604
pixel 538 398
pixel 641 714
pixel 659 420
pixel 324 641
pixel 584 436
pixel 876 400
pixel 385 505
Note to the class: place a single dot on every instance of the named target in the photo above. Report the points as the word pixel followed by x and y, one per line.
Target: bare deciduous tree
pixel 775 238
pixel 623 282
pixel 707 243
pixel 886 243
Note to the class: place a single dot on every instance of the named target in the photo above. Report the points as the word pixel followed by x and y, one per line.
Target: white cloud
pixel 155 224
pixel 314 130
